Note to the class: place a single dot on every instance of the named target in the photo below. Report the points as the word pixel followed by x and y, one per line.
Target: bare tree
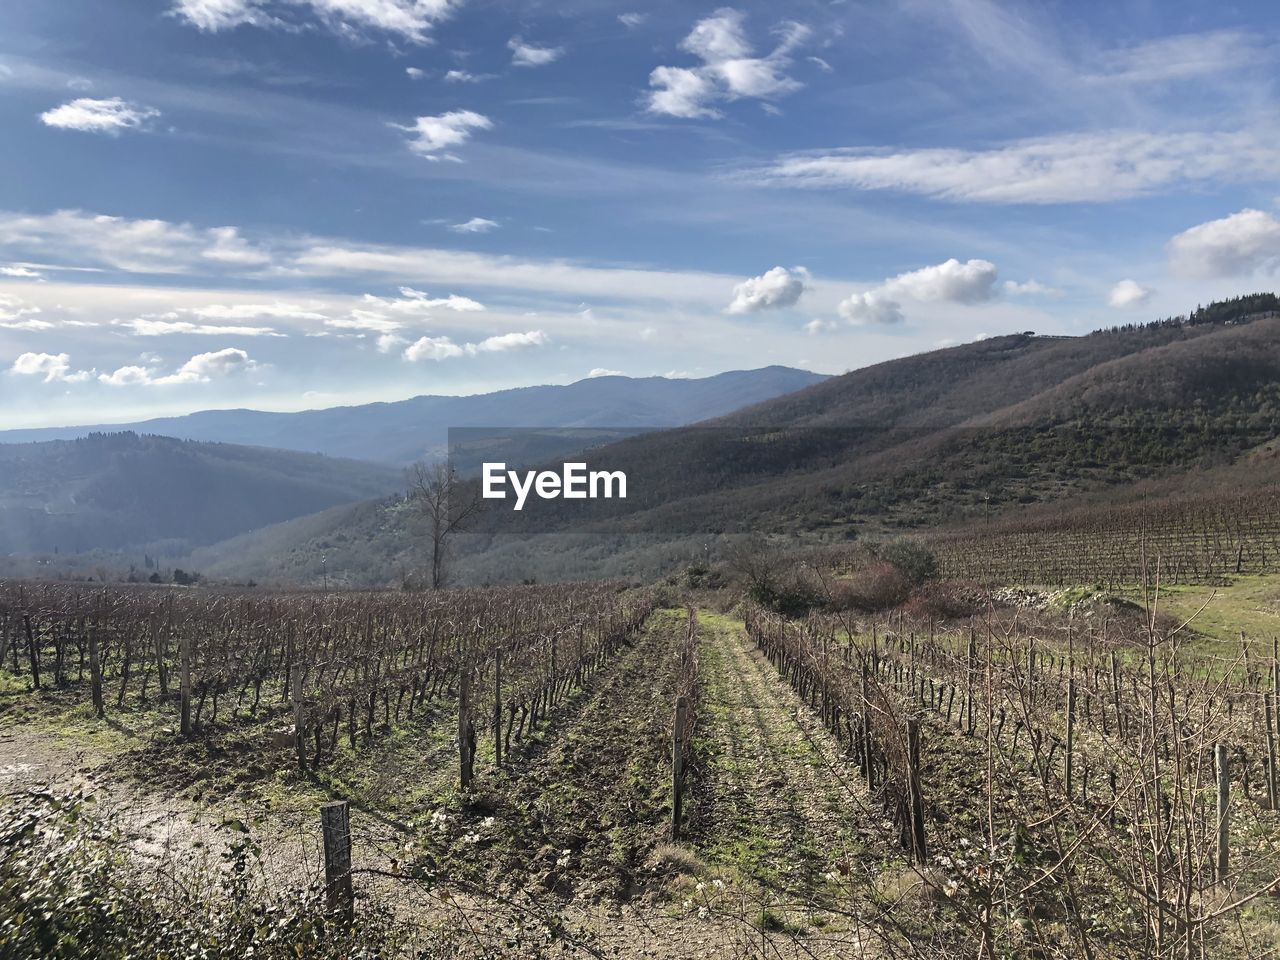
pixel 445 505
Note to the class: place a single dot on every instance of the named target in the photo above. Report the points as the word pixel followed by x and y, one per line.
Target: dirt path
pixel 781 809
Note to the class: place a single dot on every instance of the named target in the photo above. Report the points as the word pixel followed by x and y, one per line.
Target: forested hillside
pixel 125 491
pixel 939 439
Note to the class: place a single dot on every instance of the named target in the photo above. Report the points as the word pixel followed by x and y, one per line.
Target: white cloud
pixel 1128 293
pixel 1030 288
pixel 54 367
pixel 729 71
pixel 389 341
pixel 444 348
pixel 821 64
pixel 475 225
pixel 25 273
pixel 98 116
pixel 1074 168
pixel 433 348
pixel 681 92
pixel 93 242
pixel 409 20
pixel 145 327
pixel 202 368
pixel 949 282
pixel 126 377
pixel 510 341
pixel 872 307
pixel 1232 246
pixel 462 76
pixel 632 20
pixel 774 289
pixel 30 324
pixel 1187 56
pixel 527 55
pixel 417 301
pixel 18 315
pixel 250 311
pixel 365 320
pixel 144 246
pixel 213 15
pixel 604 372
pixel 415 73
pixel 818 325
pixel 432 135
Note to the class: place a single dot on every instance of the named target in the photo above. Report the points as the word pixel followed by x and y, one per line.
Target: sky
pixel 285 204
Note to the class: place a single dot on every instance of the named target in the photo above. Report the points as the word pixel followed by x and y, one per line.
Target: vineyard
pixel 593 768
pixel 1181 540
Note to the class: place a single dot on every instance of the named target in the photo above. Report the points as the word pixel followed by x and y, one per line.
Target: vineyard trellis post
pixel 184 654
pixel 299 716
pixel 466 732
pixel 33 652
pixel 1224 811
pixel 677 766
pixel 95 674
pixel 335 823
pixel 497 708
pixel 919 853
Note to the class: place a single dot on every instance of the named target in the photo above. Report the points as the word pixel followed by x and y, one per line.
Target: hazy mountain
pixel 928 440
pixel 407 430
pixel 125 491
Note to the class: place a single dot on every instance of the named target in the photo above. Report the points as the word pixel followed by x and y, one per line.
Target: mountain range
pixel 165 487
pixel 928 441
pixel 405 431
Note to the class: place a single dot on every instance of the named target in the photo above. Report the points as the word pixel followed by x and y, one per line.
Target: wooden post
pixel 1271 751
pixel 919 853
pixel 1071 732
pixel 299 716
pixel 95 674
pixel 1224 801
pixel 184 655
pixel 33 653
pixel 464 728
pixel 335 821
pixel 677 766
pixel 497 708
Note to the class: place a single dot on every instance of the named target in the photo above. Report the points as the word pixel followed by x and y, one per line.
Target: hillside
pixel 408 430
pixel 927 441
pixel 123 491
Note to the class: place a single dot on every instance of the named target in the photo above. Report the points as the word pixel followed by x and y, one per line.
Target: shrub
pixel 69 892
pixel 916 561
pixel 873 587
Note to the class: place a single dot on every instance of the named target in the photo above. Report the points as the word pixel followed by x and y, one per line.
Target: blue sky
pixel 292 203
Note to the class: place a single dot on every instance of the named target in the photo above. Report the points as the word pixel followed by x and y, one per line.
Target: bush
pixel 873 587
pixel 947 600
pixel 916 561
pixel 69 892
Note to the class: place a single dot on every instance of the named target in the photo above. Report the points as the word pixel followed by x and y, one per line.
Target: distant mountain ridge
pixel 940 438
pixel 122 491
pixel 404 431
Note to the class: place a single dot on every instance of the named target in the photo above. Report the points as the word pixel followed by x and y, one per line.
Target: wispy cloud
pixel 528 55
pixel 432 136
pixel 1072 168
pixel 99 116
pixel 475 225
pixel 407 20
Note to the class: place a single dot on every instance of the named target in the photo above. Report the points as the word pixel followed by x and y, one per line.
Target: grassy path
pixel 781 809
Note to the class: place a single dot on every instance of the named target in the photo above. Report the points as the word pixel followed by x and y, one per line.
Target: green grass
pixel 1250 604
